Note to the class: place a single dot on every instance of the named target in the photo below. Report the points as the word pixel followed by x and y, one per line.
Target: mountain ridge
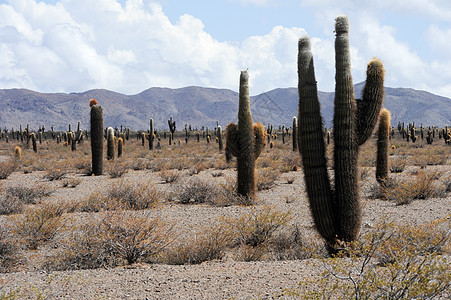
pixel 198 106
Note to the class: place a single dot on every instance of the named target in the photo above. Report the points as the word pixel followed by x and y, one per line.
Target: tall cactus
pixel 151 138
pixel 336 213
pixel 120 146
pixel 295 134
pixel 110 143
pixel 172 127
pixel 382 146
pixel 219 134
pixel 33 139
pixel 96 137
pixel 245 141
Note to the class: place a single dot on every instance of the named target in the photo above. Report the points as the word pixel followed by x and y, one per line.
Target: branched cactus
pixel 172 127
pixel 110 143
pixel 336 213
pixel 245 141
pixel 96 137
pixel 383 136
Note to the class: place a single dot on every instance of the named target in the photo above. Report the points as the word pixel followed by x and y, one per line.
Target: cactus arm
pixel 369 107
pixel 260 139
pixel 311 145
pixel 232 145
pixel 345 137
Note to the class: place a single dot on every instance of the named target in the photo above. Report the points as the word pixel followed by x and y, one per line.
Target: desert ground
pixel 167 224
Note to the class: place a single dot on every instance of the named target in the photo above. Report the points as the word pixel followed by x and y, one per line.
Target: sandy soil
pixel 224 279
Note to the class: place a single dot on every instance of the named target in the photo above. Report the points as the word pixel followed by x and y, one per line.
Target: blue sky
pixel 131 45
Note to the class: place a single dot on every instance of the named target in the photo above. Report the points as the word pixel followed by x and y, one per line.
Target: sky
pixel 131 45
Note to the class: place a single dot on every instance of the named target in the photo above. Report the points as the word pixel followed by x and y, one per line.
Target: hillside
pixel 197 106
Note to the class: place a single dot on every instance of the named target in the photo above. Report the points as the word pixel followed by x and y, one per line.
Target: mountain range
pixel 198 106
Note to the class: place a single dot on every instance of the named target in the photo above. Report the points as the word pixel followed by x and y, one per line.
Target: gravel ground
pixel 224 279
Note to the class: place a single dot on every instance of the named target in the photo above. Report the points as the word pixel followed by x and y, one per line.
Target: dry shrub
pixel 9 251
pixel 38 225
pixel 404 191
pixel 397 165
pixel 134 196
pixel 428 159
pixel 95 202
pixel 55 174
pixel 117 169
pixel 253 232
pixel 28 194
pixel 266 178
pixel 196 191
pixel 169 176
pixel 117 238
pixel 10 205
pixel 122 195
pixel 7 167
pixel 71 182
pixel 291 244
pixel 206 244
pixel 391 262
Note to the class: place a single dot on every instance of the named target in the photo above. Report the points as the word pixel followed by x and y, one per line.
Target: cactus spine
pixel 382 146
pixel 96 137
pixel 337 213
pixel 245 141
pixel 151 138
pixel 110 143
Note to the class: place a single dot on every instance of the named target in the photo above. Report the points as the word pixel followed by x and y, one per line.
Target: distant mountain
pixel 197 106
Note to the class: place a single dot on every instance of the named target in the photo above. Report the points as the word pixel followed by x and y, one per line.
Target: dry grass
pixel 38 224
pixel 208 243
pixel 115 238
pixel 121 195
pixel 113 226
pixel 7 167
pixel 404 190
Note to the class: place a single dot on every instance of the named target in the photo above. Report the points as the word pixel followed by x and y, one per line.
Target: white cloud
pixel 254 2
pixel 65 47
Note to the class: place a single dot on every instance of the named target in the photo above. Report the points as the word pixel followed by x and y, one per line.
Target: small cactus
pixel 120 145
pixel 17 152
pixel 151 136
pixel 295 134
pixel 219 137
pixel 110 143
